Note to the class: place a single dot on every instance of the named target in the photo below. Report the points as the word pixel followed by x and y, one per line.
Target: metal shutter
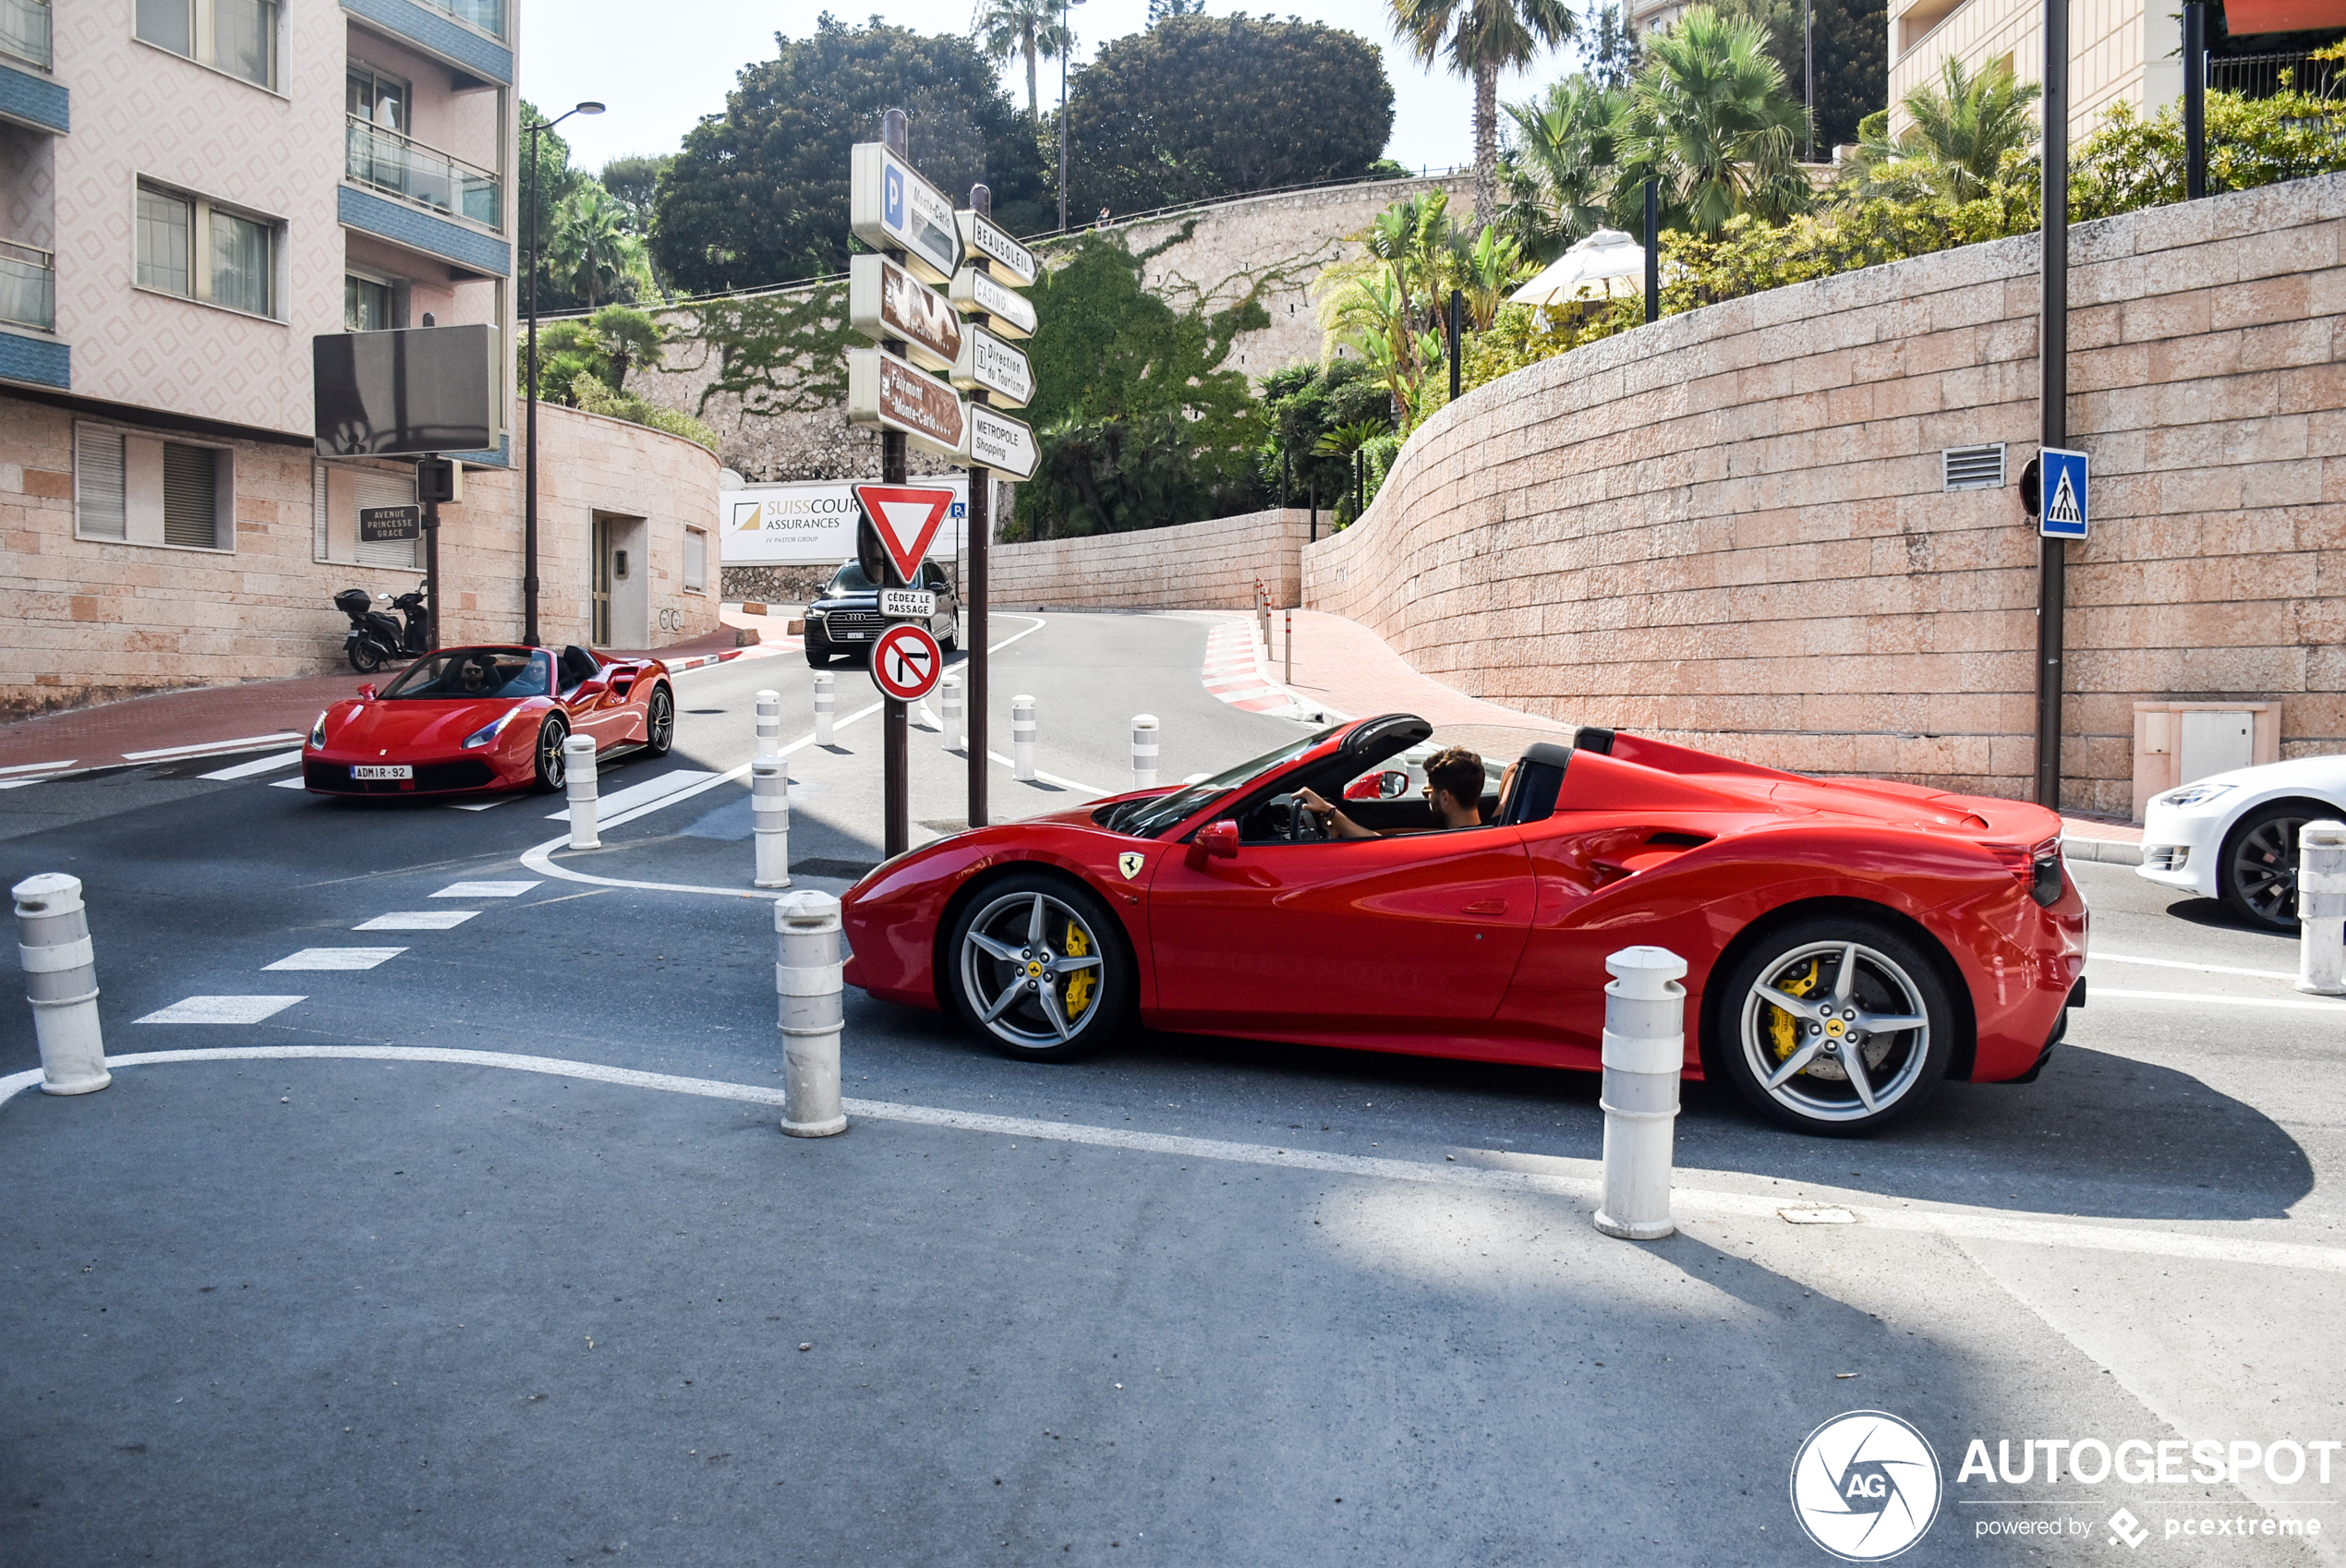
pixel 190 496
pixel 368 488
pixel 321 497
pixel 97 485
pixel 695 561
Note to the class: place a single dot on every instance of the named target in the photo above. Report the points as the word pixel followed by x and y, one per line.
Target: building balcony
pixel 488 15
pixel 27 287
pixel 382 160
pixel 468 35
pixel 24 30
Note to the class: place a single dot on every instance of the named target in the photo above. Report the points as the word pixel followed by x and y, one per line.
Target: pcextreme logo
pixel 1866 1486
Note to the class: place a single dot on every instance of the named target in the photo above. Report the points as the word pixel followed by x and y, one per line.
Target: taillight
pixel 2038 867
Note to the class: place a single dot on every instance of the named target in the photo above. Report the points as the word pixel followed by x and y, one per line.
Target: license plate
pixel 910 603
pixel 383 770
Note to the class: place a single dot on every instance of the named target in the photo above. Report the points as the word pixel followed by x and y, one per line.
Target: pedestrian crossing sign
pixel 2062 483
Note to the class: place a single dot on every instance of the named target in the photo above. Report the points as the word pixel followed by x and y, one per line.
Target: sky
pixel 660 74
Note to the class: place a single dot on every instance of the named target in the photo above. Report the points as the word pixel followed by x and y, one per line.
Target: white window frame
pixel 201 32
pixel 199 247
pixel 398 287
pixel 225 515
pixel 684 574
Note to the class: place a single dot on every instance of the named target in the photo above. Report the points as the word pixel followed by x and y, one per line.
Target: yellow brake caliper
pixel 1782 1028
pixel 1079 983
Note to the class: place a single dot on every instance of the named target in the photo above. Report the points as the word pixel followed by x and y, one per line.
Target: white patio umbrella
pixel 1606 265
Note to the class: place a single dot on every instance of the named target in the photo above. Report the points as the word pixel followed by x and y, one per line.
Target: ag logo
pixel 1129 863
pixel 1865 1486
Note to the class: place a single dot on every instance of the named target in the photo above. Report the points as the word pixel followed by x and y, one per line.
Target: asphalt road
pixel 403 1312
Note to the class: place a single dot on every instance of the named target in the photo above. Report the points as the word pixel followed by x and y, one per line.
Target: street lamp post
pixel 1064 41
pixel 529 455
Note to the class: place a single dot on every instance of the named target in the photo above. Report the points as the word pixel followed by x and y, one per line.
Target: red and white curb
pixel 1235 671
pixel 701 661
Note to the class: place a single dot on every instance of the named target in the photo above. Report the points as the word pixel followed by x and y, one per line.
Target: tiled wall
pixel 1728 527
pixel 1212 565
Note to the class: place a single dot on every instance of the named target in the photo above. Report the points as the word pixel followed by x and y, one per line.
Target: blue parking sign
pixel 892 197
pixel 2062 484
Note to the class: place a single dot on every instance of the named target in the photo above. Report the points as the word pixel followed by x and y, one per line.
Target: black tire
pixel 2257 872
pixel 1894 977
pixel 994 964
pixel 660 722
pixel 553 771
pixel 366 657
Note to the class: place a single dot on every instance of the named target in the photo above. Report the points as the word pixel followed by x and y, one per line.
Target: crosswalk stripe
pixel 336 958
pixel 246 744
pixel 637 794
pixel 417 920
pixel 485 889
pixel 221 1009
pixel 259 764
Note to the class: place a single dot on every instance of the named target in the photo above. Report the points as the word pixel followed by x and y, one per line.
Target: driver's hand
pixel 1314 804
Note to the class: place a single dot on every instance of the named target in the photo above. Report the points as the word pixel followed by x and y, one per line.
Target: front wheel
pixel 553 769
pixel 1834 1025
pixel 2257 875
pixel 1039 967
pixel 365 656
pixel 660 722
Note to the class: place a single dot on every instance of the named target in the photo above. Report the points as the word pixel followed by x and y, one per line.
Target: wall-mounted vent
pixel 1973 467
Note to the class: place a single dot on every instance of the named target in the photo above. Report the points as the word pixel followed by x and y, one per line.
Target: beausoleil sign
pixel 891 206
pixel 1013 263
pixel 885 301
pixel 813 524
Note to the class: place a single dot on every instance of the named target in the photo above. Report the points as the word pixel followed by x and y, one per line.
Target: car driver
pixel 1453 789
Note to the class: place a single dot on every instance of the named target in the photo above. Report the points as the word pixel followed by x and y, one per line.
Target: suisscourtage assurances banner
pixel 813 524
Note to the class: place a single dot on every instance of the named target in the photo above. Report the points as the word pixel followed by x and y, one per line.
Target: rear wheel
pixel 1834 1025
pixel 553 771
pixel 660 722
pixel 1039 967
pixel 2257 875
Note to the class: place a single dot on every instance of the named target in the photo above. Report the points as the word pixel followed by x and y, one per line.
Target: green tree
pixel 1199 106
pixel 759 195
pixel 1029 29
pixel 1480 38
pixel 591 254
pixel 1964 123
pixel 1608 49
pixel 1853 66
pixel 1710 118
pixel 546 182
pixel 634 183
pixel 1560 174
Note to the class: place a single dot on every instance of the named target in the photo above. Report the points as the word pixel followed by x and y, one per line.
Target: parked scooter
pixel 375 638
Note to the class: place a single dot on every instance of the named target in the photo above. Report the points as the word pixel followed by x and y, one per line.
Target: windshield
pixel 472 674
pixel 849 579
pixel 1146 819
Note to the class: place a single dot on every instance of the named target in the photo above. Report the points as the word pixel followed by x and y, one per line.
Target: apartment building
pixel 191 190
pixel 2118 49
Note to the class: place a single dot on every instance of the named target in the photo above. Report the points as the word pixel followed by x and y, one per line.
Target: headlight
pixel 2193 795
pixel 815 613
pixel 318 731
pixel 489 731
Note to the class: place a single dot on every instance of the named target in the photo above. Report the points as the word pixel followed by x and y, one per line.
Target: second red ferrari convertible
pixel 1850 943
pixel 466 719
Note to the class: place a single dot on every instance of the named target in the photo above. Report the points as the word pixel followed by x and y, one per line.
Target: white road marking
pixel 221 1009
pixel 289 784
pixel 2100 992
pixel 637 794
pixel 259 764
pixel 419 920
pixel 38 767
pixel 337 958
pixel 2177 963
pixel 20 783
pixel 1578 1181
pixel 493 800
pixel 1092 789
pixel 245 744
pixel 485 889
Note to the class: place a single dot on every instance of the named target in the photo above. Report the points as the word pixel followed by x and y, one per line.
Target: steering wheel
pixel 1303 826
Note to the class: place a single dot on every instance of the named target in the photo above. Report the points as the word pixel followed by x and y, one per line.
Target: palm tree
pixel 1004 28
pixel 1964 123
pixel 1481 37
pixel 592 253
pixel 1709 117
pixel 1560 177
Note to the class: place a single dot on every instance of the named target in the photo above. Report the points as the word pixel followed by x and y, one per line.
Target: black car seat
pixel 578 667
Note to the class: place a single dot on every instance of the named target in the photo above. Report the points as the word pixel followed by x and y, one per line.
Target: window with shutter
pixel 695 562
pixel 371 488
pixel 190 496
pixel 98 511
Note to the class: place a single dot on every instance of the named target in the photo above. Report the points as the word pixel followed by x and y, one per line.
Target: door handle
pixel 1486 907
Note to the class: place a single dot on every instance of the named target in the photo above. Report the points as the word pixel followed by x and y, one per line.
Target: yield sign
pixel 906 662
pixel 906 521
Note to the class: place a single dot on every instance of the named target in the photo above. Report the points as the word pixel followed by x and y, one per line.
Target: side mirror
pixel 1219 839
pixel 367 692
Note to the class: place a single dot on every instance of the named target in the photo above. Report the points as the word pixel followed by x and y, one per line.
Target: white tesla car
pixel 2233 836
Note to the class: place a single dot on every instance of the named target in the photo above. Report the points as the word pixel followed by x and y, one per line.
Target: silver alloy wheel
pixel 1030 969
pixel 552 766
pixel 661 727
pixel 1836 1031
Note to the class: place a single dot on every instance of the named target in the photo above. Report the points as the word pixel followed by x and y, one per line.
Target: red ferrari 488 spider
pixel 467 720
pixel 1849 942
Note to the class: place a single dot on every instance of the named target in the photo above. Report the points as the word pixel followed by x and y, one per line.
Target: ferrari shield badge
pixel 1129 863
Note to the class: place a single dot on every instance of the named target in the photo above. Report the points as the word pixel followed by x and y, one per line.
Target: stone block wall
pixel 1728 527
pixel 1210 565
pixel 94 620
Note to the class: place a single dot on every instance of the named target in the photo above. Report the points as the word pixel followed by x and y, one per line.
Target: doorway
pixel 622 580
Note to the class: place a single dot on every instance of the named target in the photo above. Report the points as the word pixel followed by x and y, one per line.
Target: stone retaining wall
pixel 1210 565
pixel 1729 528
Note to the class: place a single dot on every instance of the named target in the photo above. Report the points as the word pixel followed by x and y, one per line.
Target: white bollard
pixel 952 704
pixel 579 765
pixel 1145 751
pixel 826 706
pixel 2321 909
pixel 61 981
pixel 807 974
pixel 769 723
pixel 770 817
pixel 1287 649
pixel 1023 737
pixel 1645 1047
